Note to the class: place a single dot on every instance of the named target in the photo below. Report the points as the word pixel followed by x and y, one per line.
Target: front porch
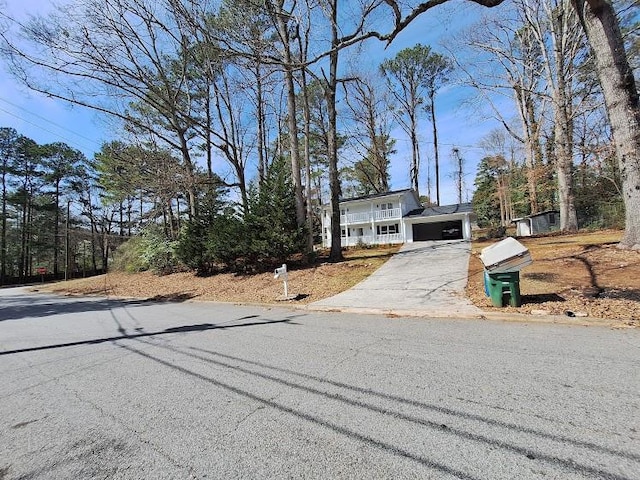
pixel 385 239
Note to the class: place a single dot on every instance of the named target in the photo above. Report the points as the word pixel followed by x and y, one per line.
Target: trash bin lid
pixel 508 255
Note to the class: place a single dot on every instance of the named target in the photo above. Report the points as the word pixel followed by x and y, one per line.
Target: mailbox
pixel 281 272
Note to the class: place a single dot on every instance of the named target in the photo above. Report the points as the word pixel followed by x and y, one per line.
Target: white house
pixel 397 217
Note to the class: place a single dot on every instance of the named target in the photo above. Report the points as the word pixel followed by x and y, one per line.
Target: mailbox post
pixel 282 274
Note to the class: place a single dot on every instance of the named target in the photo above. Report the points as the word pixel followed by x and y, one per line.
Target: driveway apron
pixel 422 279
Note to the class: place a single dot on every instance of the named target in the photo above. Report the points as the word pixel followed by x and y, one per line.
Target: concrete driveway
pixel 422 279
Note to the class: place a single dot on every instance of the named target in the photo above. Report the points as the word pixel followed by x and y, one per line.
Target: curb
pixel 481 315
pixel 426 314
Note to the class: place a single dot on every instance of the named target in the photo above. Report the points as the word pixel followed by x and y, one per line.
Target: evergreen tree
pixel 271 223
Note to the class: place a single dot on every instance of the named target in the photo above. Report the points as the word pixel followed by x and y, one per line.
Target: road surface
pixel 98 388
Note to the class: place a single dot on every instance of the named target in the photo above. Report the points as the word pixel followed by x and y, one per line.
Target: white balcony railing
pixel 388 214
pixel 368 217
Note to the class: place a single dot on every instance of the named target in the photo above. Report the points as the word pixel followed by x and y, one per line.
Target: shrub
pixel 128 257
pixel 150 251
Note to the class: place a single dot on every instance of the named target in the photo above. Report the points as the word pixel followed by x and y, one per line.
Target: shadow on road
pixel 15 308
pixel 129 336
pixel 398 412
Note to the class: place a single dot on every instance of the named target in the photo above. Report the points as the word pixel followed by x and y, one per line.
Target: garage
pixel 451 230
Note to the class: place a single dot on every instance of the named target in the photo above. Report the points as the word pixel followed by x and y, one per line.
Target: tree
pixel 370 114
pixel 271 223
pixel 600 23
pixel 8 150
pixel 60 163
pixel 371 173
pixel 503 41
pixel 486 201
pixel 555 27
pixel 414 76
pixel 118 57
pixel 27 172
pixel 283 19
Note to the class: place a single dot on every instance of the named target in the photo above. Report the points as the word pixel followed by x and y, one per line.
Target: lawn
pixel 579 274
pixel 309 282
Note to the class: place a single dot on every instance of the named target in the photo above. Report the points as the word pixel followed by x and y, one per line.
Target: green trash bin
pixel 502 285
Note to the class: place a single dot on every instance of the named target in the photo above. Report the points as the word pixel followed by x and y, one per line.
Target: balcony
pixel 368 217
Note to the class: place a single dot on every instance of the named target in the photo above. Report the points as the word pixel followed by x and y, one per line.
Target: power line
pixel 71 142
pixel 20 107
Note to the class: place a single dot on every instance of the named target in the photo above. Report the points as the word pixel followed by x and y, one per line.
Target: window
pixel 359 232
pixel 386 229
pixel 552 218
pixel 343 233
pixel 386 206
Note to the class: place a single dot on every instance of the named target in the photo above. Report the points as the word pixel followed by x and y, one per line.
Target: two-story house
pixel 396 217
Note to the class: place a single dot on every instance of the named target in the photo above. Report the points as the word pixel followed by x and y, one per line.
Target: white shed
pixel 538 223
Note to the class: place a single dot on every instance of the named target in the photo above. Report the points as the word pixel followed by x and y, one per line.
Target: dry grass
pixel 309 283
pixel 582 273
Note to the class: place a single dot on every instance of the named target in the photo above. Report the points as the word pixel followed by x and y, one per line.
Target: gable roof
pixel 377 195
pixel 533 215
pixel 436 210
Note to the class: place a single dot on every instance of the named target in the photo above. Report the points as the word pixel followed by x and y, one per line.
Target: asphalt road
pixel 96 388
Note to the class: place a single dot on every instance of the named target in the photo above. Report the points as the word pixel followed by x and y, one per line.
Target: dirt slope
pixel 582 274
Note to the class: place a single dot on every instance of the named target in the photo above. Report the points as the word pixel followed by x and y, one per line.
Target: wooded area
pixel 238 116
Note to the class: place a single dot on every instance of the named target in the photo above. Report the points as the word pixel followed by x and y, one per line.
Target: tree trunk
pixel 415 156
pixel 621 97
pixel 56 231
pixel 3 242
pixel 332 139
pixel 292 123
pixel 531 133
pixel 435 144
pixel 307 162
pixel 262 158
pixel 564 171
pixel 564 150
pixel 208 145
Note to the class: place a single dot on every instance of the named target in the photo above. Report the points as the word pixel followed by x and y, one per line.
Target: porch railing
pixel 372 239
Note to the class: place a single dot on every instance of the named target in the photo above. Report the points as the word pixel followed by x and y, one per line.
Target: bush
pixel 128 257
pixel 151 251
pixel 159 253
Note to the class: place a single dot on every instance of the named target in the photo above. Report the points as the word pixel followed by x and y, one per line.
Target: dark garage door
pixel 437 231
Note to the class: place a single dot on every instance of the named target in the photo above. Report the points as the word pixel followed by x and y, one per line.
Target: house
pixel 538 223
pixel 396 217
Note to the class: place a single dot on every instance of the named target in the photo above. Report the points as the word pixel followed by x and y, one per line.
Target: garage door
pixel 437 231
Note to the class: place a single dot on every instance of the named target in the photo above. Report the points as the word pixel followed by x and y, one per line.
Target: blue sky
pixel 48 120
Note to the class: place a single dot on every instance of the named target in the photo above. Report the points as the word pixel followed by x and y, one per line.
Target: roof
pixel 376 195
pixel 539 214
pixel 434 211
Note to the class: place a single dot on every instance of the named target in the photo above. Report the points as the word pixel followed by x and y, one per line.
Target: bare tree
pixel 503 41
pixel 555 27
pixel 370 114
pixel 599 21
